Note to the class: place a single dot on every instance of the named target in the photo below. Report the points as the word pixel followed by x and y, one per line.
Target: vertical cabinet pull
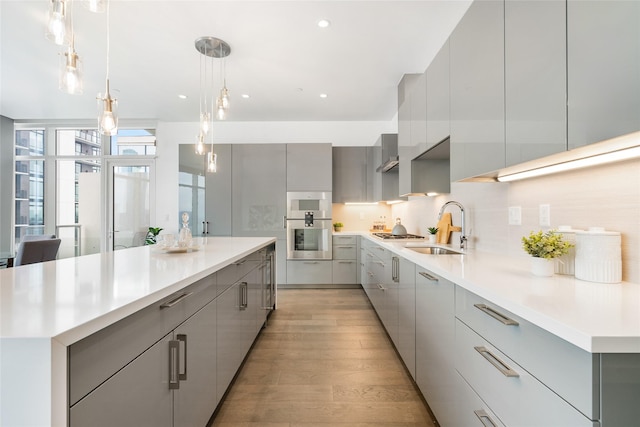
pixel 182 376
pixel 497 363
pixel 242 289
pixel 496 315
pixel 395 269
pixel 428 276
pixel 484 418
pixel 174 365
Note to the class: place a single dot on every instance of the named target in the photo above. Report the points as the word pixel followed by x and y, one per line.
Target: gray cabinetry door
pixel 195 400
pixel 309 167
pixel 218 216
pixel 350 183
pixel 406 344
pixel 229 338
pixel 603 45
pixel 438 127
pixel 435 344
pixel 259 189
pixel 477 91
pixel 405 149
pixel 136 396
pixel 535 79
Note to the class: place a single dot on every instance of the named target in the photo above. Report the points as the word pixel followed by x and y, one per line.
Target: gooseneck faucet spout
pixel 463 232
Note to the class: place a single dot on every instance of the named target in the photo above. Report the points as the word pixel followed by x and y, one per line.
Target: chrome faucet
pixel 463 232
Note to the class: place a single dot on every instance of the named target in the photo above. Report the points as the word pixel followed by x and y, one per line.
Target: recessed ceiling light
pixel 323 95
pixel 323 23
pixel 182 96
pixel 245 96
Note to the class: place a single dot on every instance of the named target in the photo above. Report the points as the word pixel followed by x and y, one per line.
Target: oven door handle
pixel 284 221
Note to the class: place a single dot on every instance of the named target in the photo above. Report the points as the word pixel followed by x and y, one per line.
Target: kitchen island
pixel 47 308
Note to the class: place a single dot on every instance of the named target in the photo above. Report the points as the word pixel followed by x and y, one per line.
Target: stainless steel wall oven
pixel 309 226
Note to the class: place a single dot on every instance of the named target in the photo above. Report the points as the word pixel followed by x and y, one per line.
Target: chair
pixel 35 249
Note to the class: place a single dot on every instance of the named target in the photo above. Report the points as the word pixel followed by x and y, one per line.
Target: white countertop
pixel 597 317
pixel 72 298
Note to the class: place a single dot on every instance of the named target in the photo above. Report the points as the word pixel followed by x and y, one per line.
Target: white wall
pixel 605 196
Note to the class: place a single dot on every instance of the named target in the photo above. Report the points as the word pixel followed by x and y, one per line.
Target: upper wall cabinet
pixel 406 152
pixel 438 126
pixel 477 91
pixel 603 69
pixel 309 167
pixel 535 79
pixel 385 184
pixel 350 175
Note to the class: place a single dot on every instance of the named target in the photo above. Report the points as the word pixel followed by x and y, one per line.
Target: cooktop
pixel 397 236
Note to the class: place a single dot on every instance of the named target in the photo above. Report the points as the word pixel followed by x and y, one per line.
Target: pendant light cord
pixel 108 36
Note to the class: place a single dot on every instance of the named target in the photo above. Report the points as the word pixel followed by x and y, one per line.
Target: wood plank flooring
pixel 323 360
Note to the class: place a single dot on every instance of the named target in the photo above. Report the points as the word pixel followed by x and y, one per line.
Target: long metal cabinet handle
pixel 345 262
pixel 176 300
pixel 344 247
pixel 284 222
pixel 182 376
pixel 497 363
pixel 496 315
pixel 395 269
pixel 174 365
pixel 381 287
pixel 310 262
pixel 484 418
pixel 428 276
pixel 243 295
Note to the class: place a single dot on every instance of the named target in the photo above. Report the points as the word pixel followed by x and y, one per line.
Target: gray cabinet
pixel 385 184
pixel 309 272
pixel 535 79
pixel 405 149
pixel 477 90
pixel 345 260
pixel 603 41
pixel 218 215
pixel 309 167
pixel 351 180
pixel 405 277
pixel 435 344
pixel 438 126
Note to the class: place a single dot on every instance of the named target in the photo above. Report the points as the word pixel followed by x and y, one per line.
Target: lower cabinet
pixel 173 383
pixel 309 272
pixel 435 344
pixel 345 260
pixel 405 276
pixel 473 411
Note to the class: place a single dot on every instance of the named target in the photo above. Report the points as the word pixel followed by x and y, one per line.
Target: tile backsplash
pixel 604 196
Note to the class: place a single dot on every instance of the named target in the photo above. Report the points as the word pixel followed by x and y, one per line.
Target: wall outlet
pixel 515 215
pixel 545 215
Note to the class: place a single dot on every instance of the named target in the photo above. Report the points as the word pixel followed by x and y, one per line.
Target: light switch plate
pixel 545 215
pixel 515 215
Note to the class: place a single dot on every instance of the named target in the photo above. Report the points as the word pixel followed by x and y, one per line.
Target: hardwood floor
pixel 323 360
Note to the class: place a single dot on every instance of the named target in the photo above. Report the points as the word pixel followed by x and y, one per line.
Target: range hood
pixel 391 163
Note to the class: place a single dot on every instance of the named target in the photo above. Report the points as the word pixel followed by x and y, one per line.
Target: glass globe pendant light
pixel 71 71
pixel 57 30
pixel 107 106
pixel 96 6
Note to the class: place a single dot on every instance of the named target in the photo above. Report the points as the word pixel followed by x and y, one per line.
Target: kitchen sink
pixel 433 250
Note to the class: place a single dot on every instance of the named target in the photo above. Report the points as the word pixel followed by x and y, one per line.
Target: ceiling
pixel 279 57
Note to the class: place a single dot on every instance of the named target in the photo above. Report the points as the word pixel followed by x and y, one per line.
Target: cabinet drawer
pixel 515 395
pixel 344 251
pixel 470 409
pixel 309 272
pixel 97 357
pixel 344 272
pixel 344 240
pixel 568 370
pixel 237 270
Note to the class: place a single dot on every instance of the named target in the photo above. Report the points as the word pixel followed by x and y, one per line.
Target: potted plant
pixel 337 226
pixel 432 234
pixel 544 247
pixel 152 235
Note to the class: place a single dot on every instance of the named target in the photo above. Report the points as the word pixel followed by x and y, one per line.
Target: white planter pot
pixel 432 238
pixel 542 267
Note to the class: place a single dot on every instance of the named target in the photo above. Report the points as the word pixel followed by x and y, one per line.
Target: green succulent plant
pixel 546 245
pixel 432 230
pixel 152 234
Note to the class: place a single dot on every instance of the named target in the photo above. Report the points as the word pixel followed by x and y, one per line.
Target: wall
pixel 605 196
pixel 361 217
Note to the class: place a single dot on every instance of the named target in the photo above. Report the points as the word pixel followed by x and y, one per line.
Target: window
pixel 29 183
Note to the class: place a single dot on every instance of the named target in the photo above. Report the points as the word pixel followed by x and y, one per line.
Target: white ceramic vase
pixel 542 267
pixel 432 238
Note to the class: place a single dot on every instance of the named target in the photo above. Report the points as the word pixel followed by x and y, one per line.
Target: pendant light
pixel 222 102
pixel 209 47
pixel 107 106
pixel 57 23
pixel 71 67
